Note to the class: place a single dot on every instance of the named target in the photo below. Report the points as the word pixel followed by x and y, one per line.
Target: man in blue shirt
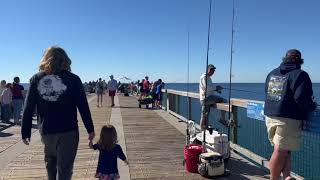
pixel 289 98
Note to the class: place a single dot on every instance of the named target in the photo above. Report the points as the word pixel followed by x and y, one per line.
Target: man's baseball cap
pixel 211 66
pixel 293 54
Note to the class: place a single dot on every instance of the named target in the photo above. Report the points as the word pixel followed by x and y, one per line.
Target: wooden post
pixel 168 101
pixel 234 129
pixel 177 103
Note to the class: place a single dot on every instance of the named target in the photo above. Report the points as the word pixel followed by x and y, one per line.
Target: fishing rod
pixel 206 75
pixel 230 74
pixel 188 99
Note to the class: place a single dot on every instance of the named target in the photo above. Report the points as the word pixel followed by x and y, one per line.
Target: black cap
pixel 293 54
pixel 211 66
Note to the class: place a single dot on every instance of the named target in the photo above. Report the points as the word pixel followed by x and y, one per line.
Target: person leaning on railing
pixel 57 93
pixel 208 98
pixel 288 100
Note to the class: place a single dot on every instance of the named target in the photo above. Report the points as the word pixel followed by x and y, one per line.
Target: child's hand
pixel 90 144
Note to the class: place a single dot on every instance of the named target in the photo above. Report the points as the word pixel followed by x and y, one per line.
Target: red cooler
pixel 191 156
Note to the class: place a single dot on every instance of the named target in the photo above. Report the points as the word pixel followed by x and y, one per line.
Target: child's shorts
pixel 113 176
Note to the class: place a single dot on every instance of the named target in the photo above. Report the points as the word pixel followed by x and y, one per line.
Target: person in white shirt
pixel 112 88
pixel 208 98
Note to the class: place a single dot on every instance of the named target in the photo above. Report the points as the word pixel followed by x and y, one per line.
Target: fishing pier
pixel 153 141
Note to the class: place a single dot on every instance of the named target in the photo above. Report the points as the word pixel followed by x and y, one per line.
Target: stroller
pixel 146 101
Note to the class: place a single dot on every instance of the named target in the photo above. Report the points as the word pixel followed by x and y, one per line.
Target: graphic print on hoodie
pixel 51 87
pixel 57 98
pixel 275 87
pixel 288 92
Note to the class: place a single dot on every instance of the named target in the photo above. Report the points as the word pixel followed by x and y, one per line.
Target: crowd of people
pixel 142 89
pixel 146 89
pixel 11 101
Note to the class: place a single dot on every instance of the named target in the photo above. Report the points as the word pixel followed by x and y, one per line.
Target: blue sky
pixel 135 38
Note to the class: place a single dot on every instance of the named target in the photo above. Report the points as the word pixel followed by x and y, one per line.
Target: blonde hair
pixel 108 137
pixel 55 60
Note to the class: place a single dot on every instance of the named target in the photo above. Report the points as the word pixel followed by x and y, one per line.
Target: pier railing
pixel 249 134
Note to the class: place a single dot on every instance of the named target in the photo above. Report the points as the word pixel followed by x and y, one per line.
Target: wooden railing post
pixel 234 129
pixel 168 100
pixel 177 104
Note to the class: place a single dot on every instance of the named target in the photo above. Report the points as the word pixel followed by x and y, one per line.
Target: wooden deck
pixel 154 147
pixel 153 143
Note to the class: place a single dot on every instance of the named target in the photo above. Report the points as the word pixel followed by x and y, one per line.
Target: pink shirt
pixel 6 96
pixel 146 85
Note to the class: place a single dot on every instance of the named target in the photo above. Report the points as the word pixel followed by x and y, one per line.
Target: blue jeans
pixel 5 112
pixel 17 108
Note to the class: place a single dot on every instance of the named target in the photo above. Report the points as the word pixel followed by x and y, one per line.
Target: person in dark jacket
pixel 17 99
pixel 289 98
pixel 57 93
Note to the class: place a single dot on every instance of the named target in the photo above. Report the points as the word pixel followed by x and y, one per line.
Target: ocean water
pixel 252 91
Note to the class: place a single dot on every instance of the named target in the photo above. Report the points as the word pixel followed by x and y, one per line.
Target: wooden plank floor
pixel 154 147
pixel 30 164
pixel 9 135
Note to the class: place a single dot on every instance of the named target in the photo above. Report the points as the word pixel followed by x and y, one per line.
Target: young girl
pixel 109 152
